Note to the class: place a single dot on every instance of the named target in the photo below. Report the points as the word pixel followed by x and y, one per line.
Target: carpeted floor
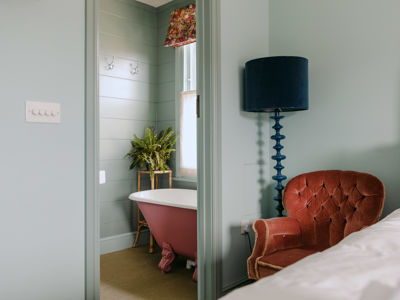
pixel 132 274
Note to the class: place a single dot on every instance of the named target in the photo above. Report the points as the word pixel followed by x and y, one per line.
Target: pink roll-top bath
pixel 172 218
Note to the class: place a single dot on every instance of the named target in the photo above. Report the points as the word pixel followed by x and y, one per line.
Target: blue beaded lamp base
pixel 278 157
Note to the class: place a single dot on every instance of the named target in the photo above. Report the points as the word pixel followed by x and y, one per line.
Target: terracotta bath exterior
pixel 172 218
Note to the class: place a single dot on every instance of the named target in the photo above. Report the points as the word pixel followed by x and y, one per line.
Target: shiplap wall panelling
pixel 128 103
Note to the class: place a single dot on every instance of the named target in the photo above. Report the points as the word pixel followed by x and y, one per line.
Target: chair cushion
pixel 283 258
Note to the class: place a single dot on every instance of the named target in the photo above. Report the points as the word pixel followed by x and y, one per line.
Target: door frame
pixel 209 152
pixel 92 207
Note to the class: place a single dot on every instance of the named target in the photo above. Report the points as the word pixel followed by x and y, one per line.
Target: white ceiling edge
pixel 155 3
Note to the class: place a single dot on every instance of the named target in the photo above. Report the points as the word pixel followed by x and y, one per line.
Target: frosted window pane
pixel 188 136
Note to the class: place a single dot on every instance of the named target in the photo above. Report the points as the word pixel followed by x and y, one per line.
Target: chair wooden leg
pixel 137 236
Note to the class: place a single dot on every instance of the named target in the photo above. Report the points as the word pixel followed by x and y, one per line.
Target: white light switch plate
pixel 102 177
pixel 42 112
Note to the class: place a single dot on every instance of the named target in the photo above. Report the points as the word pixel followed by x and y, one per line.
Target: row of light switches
pixel 42 112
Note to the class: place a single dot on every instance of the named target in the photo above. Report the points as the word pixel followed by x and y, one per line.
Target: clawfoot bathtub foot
pixel 195 270
pixel 168 257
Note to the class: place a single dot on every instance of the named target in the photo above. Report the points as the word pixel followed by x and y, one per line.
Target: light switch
pixel 42 112
pixel 102 177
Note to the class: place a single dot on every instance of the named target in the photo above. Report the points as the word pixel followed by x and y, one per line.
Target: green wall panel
pixel 132 33
pixel 128 103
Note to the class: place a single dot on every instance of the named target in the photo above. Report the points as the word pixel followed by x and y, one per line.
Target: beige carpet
pixel 132 274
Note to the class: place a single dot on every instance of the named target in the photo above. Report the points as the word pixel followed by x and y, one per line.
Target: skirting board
pixel 239 283
pixel 122 241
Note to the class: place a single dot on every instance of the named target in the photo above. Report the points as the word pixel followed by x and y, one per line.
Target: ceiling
pixel 155 3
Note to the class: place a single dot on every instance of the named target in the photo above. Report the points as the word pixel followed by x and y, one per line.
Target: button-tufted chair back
pixel 330 205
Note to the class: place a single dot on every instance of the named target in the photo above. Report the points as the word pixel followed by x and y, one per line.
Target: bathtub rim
pixel 140 197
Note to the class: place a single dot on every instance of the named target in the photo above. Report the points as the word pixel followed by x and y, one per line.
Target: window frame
pixel 180 86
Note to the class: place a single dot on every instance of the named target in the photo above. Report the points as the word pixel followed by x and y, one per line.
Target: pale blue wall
pixel 245 139
pixel 42 165
pixel 354 74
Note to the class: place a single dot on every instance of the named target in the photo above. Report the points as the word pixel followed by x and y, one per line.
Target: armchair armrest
pixel 273 235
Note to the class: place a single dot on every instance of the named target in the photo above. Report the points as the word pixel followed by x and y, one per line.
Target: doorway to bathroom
pixel 146 87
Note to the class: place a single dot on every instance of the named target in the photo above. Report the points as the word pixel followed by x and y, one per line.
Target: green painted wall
pixel 128 103
pixel 166 79
pixel 166 71
pixel 133 33
pixel 354 52
pixel 42 214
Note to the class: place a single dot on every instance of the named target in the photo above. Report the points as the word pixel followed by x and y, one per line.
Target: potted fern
pixel 153 151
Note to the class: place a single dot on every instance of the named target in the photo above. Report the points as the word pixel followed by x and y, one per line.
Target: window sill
pixel 185 179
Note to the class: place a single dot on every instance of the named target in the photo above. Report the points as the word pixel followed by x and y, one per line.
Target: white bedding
pixel 363 266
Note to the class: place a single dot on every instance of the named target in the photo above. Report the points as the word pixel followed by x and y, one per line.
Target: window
pixel 187 145
pixel 189 67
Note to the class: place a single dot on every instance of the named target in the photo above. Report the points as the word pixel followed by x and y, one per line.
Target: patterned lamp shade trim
pixel 182 28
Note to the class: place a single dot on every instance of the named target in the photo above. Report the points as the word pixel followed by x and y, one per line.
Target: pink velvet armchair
pixel 322 207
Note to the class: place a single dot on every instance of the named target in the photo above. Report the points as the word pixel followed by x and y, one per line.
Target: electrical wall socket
pixel 244 226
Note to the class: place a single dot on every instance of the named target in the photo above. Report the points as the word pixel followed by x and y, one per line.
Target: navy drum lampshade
pixel 279 82
pixel 275 84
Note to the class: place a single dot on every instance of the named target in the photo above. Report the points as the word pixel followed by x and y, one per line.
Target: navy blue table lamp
pixel 275 84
